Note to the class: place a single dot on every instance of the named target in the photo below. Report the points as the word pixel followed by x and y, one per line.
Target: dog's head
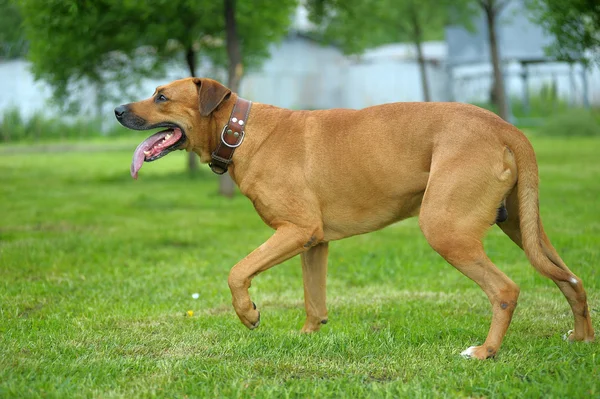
pixel 184 108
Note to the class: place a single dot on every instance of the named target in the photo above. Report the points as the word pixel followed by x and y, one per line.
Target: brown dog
pixel 319 176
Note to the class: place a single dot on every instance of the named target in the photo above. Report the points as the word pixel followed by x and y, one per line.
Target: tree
pixel 12 38
pixel 117 43
pixel 356 25
pixel 492 9
pixel 574 23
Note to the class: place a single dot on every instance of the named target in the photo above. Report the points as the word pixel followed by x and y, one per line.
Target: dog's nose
pixel 120 110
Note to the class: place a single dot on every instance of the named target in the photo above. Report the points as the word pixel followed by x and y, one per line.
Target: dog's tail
pixel 535 242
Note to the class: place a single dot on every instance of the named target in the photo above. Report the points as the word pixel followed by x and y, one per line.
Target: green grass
pixel 97 273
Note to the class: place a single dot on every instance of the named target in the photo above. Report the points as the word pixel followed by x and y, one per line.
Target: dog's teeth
pixel 168 136
pixel 146 152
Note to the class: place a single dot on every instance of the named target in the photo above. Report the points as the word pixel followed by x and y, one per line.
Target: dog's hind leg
pixel 314 274
pixel 466 253
pixel 458 207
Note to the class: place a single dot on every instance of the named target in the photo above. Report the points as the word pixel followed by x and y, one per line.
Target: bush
pixel 12 125
pixel 542 104
pixel 574 122
pixel 39 127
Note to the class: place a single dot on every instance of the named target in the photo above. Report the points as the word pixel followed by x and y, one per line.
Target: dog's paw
pixel 478 352
pixel 257 323
pixel 250 318
pixel 468 353
pixel 313 325
pixel 568 336
pixel 573 336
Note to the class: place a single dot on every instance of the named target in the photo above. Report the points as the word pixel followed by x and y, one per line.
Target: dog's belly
pixel 352 215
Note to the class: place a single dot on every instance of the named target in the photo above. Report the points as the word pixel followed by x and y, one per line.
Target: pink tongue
pixel 152 141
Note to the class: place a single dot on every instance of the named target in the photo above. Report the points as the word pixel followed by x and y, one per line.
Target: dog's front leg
pixel 289 240
pixel 314 274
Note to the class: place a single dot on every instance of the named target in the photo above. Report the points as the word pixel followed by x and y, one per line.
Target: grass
pixel 97 273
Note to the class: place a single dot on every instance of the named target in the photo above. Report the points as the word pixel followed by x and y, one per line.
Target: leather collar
pixel 231 137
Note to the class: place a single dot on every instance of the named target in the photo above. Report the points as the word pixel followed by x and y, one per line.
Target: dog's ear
pixel 210 94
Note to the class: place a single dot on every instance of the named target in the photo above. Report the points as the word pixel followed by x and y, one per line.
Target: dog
pixel 320 176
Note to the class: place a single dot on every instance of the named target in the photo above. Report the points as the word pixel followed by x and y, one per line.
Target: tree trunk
pixel 418 41
pixel 192 161
pixel 491 13
pixel 234 76
pixel 423 69
pixel 234 54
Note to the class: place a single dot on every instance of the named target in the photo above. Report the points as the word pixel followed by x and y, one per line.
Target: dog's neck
pixel 220 118
pixel 258 130
pixel 231 136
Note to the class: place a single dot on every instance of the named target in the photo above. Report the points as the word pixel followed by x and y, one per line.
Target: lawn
pixel 97 273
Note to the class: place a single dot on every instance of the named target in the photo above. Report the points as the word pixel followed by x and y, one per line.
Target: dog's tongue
pixel 155 144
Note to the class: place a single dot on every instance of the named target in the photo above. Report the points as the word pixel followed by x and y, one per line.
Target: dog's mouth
pixel 157 146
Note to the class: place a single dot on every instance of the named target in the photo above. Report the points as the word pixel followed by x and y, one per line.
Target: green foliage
pixel 260 23
pixel 41 128
pixel 77 42
pixel 574 23
pixel 119 42
pixel 356 25
pixel 97 272
pixel 12 38
pixel 352 25
pixel 572 123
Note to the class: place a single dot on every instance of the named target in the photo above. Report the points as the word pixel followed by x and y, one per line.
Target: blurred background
pixel 72 62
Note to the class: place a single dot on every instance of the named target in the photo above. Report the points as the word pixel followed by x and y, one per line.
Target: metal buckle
pixel 217 169
pixel 231 145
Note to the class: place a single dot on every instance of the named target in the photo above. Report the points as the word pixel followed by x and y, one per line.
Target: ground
pixel 97 273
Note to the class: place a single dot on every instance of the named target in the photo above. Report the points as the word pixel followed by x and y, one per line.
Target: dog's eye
pixel 161 99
